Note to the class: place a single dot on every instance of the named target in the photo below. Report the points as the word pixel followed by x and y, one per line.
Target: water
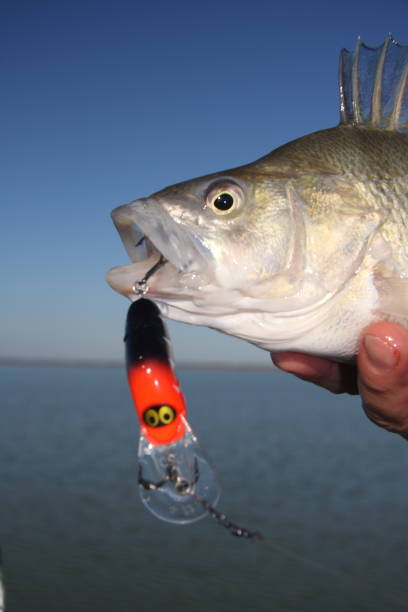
pixel 326 488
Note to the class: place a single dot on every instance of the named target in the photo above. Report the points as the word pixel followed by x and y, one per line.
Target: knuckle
pixel 392 417
pixel 375 387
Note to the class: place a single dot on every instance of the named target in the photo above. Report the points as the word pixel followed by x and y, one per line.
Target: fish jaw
pixel 149 233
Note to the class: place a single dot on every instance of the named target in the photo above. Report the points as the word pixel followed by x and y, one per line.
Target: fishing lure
pixel 176 481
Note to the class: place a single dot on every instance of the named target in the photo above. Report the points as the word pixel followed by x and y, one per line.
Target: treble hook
pixel 183 487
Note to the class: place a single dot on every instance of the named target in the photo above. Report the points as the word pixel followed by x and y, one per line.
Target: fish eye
pixel 223 199
pixel 151 417
pixel 166 414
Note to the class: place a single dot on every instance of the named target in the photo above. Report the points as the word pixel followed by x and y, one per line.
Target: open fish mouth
pixel 165 255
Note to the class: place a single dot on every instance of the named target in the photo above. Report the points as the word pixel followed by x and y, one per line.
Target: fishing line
pixel 350 582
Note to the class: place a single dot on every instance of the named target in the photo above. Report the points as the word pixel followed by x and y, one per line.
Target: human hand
pixel 380 375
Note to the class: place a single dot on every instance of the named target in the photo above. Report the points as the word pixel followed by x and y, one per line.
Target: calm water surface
pixel 327 489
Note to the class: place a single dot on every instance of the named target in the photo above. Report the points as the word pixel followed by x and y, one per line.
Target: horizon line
pixel 117 363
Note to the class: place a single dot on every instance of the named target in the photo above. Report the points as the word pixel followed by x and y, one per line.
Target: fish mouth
pixel 166 256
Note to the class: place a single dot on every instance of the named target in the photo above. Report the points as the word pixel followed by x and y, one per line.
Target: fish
pixel 300 249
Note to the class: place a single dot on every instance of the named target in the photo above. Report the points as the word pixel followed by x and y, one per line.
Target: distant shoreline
pixel 93 363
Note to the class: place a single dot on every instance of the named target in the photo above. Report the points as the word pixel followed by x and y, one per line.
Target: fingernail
pixel 382 354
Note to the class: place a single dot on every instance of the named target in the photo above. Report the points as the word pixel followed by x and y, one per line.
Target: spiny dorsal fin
pixel 374 86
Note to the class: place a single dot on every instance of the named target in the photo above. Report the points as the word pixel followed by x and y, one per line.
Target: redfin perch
pixel 300 249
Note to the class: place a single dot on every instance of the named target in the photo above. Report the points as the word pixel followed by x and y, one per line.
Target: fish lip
pixel 145 227
pixel 137 244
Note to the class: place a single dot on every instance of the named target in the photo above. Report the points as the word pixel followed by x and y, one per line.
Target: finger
pixel 383 375
pixel 336 377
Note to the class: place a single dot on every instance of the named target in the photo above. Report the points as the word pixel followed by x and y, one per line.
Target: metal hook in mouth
pixel 140 287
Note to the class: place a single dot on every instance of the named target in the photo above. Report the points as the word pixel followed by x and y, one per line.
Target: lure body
pixel 177 483
pixel 155 390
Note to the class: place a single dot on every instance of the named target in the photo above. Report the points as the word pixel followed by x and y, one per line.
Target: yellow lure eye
pixel 151 417
pixel 166 414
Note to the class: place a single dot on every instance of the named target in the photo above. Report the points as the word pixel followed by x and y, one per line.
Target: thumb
pixel 383 375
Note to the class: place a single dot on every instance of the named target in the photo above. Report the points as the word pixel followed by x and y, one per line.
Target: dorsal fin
pixel 374 86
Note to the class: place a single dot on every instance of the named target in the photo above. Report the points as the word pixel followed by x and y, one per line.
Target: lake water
pixel 327 489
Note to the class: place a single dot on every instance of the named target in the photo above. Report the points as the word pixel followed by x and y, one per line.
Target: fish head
pixel 255 252
pixel 301 249
pixel 220 239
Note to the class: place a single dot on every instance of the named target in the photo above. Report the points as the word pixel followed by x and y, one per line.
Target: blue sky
pixel 104 102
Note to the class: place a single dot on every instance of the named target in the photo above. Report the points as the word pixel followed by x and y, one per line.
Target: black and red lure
pixel 176 480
